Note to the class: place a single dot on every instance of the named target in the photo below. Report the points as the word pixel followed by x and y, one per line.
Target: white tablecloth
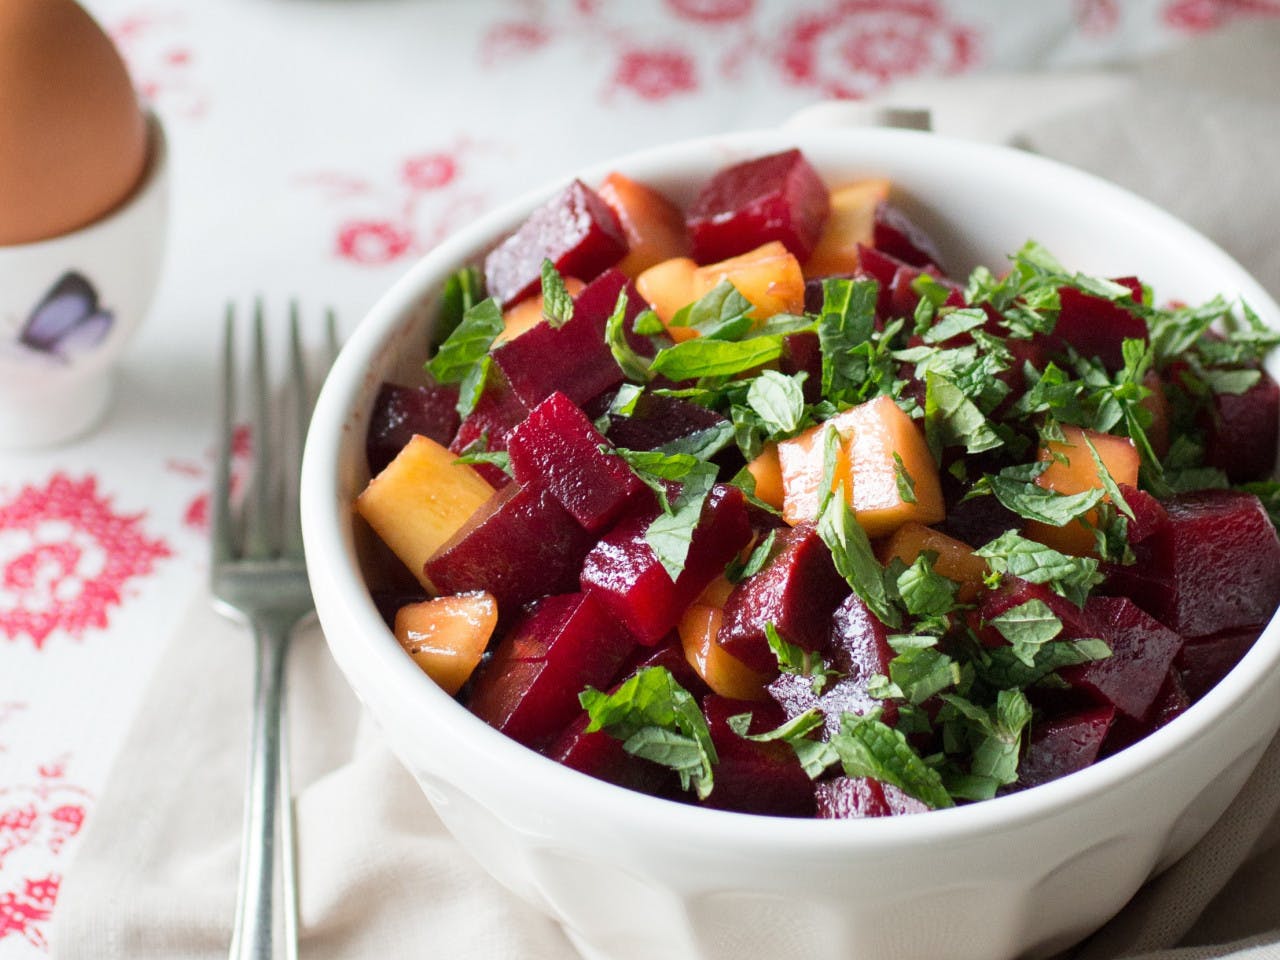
pixel 318 147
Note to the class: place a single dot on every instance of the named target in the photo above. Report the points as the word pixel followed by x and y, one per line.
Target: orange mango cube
pixel 527 314
pixel 766 471
pixel 420 500
pixel 724 673
pixel 447 636
pixel 667 287
pixel 955 559
pixel 653 225
pixel 851 222
pixel 1071 471
pixel 769 276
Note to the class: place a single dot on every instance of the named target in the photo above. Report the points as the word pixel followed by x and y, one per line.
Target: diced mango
pixel 871 434
pixel 724 673
pixel 1071 471
pixel 420 500
pixel 769 276
pixel 955 558
pixel 716 593
pixel 766 471
pixel 666 287
pixel 654 226
pixel 1159 431
pixel 528 313
pixel 447 636
pixel 851 222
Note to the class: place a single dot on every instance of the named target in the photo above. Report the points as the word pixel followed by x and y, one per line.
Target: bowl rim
pixel 341 591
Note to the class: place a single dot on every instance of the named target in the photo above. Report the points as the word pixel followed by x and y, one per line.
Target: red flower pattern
pixel 23 911
pixel 1201 16
pixel 161 61
pixel 66 558
pixel 712 11
pixel 858 46
pixel 656 74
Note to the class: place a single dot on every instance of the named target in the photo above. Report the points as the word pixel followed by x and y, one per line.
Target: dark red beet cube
pixel 1215 568
pixel 849 798
pixel 1064 745
pixel 601 756
pixel 898 235
pixel 575 230
pixel 1170 702
pixel 559 448
pixel 599 298
pixel 668 654
pixel 900 802
pixel 519 546
pixel 1014 592
pixel 495 415
pixel 657 421
pixel 400 412
pixel 755 777
pixel 802 353
pixel 1203 661
pixel 797 592
pixel 778 197
pixel 1095 327
pixel 629 580
pixel 529 689
pixel 1242 431
pixel 1142 650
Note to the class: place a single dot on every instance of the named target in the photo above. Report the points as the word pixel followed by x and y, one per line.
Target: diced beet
pixel 529 689
pixel 755 777
pixel 899 236
pixel 901 803
pixel 572 358
pixel 519 546
pixel 559 448
pixel 801 353
pixel 657 421
pixel 601 756
pixel 778 197
pixel 1149 515
pixel 575 230
pixel 1214 568
pixel 1014 592
pixel 668 654
pixel 400 412
pixel 599 298
pixel 1170 702
pixel 1142 650
pixel 1204 661
pixel 495 415
pixel 849 798
pixel 1064 745
pixel 797 592
pixel 978 521
pixel 629 580
pixel 1242 431
pixel 858 649
pixel 1095 327
pixel 1147 576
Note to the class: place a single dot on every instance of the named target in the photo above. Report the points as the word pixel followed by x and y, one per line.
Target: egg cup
pixel 68 305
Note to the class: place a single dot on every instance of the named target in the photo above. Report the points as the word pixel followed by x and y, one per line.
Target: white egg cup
pixel 68 306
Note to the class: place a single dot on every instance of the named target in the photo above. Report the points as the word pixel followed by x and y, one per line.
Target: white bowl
pixel 630 876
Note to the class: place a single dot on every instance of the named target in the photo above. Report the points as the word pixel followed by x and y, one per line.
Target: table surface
pixel 318 149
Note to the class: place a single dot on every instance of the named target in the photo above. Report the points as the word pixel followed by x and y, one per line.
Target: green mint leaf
pixel 1233 382
pixel 921 673
pixel 1002 668
pixel 778 400
pixel 633 366
pixel 472 386
pixel 462 291
pixel 952 419
pixel 737 571
pixel 924 591
pixel 478 452
pixel 468 344
pixel 701 357
pixel 847 320
pixel 906 485
pixel 953 322
pixel 657 719
pixel 670 533
pixel 624 401
pixel 720 314
pixel 1070 577
pixel 1268 491
pixel 854 559
pixel 868 747
pixel 1027 627
pixel 702 444
pixel 815 756
pixel 648 324
pixel 797 660
pixel 1108 482
pixel 557 304
pixel 1034 502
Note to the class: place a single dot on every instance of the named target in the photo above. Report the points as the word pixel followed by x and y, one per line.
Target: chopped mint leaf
pixel 906 485
pixel 478 452
pixel 462 291
pixel 648 324
pixel 1070 577
pixel 815 756
pixel 868 747
pixel 1108 482
pixel 778 400
pixel 953 322
pixel 702 357
pixel 721 314
pixel 995 734
pixel 952 419
pixel 624 401
pixel 1002 668
pixel 468 345
pixel 670 533
pixel 472 386
pixel 923 672
pixel 703 444
pixel 737 571
pixel 924 591
pixel 657 719
pixel 1034 502
pixel 1268 491
pixel 1233 382
pixel 1027 627
pixel 854 559
pixel 797 660
pixel 633 366
pixel 847 320
pixel 557 304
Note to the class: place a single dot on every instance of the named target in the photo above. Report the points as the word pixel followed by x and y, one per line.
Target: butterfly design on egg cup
pixel 68 322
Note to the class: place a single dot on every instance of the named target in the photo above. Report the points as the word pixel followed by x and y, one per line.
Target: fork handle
pixel 263 904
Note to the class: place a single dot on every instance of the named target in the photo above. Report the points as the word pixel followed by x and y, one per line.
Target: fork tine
pixel 258 517
pixel 301 398
pixel 331 337
pixel 220 521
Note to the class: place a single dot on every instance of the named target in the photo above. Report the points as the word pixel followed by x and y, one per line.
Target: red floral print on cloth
pixel 36 824
pixel 153 44
pixel 66 558
pixel 656 74
pixel 856 47
pixel 1097 18
pixel 1200 16
pixel 195 516
pixel 426 200
pixel 712 11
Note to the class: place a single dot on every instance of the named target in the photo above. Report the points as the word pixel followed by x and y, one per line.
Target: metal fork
pixel 259 578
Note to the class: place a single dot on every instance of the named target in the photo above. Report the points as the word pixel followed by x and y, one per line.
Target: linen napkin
pixel 1198 132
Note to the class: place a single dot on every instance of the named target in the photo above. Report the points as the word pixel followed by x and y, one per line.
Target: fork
pixel 259 578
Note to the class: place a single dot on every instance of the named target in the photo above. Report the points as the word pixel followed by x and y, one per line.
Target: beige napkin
pixel 1198 132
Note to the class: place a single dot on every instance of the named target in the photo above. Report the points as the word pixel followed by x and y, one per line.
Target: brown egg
pixel 73 141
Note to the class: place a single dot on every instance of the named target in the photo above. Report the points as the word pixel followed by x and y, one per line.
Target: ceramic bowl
pixel 68 306
pixel 631 877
